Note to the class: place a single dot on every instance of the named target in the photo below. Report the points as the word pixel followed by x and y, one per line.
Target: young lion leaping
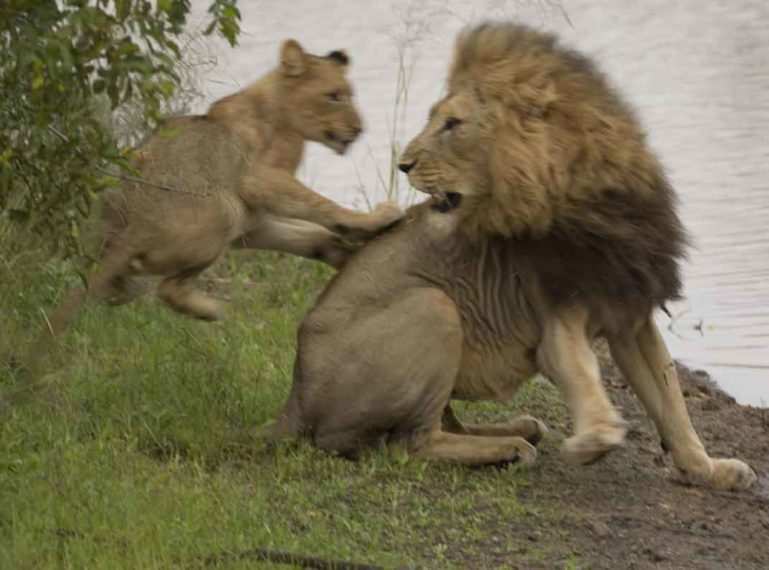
pixel 227 177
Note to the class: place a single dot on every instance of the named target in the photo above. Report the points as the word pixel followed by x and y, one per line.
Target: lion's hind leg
pixel 388 376
pixel 646 365
pixel 527 427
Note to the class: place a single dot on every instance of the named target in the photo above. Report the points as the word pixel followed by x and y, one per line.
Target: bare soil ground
pixel 632 510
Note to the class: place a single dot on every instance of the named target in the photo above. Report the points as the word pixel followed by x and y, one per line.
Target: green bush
pixel 61 63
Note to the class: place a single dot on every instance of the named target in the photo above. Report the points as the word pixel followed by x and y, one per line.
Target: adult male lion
pixel 228 176
pixel 550 222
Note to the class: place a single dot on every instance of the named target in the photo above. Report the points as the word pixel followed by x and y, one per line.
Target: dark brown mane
pixel 575 188
pixel 624 256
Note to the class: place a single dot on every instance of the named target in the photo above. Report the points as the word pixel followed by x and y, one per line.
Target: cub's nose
pixel 406 165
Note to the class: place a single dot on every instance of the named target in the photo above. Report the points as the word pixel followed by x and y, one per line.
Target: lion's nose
pixel 406 165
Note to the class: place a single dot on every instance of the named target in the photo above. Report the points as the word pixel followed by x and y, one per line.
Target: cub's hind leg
pixel 181 294
pixel 126 289
pixel 113 263
pixel 113 266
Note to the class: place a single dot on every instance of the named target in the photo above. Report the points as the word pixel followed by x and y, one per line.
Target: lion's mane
pixel 572 178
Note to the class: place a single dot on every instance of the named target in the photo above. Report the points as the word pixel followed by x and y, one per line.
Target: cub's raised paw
pixel 386 214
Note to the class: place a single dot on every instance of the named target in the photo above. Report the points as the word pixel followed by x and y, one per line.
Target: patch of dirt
pixel 632 509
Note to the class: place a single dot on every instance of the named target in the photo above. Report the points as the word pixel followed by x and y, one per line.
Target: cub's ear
pixel 339 56
pixel 293 60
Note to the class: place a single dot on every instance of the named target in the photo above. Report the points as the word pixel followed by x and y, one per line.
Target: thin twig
pixel 125 177
pixel 673 319
pixel 47 322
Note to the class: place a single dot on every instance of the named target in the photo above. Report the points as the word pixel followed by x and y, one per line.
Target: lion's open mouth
pixel 447 202
pixel 337 142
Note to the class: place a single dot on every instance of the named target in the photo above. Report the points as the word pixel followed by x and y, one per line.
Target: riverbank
pixel 632 510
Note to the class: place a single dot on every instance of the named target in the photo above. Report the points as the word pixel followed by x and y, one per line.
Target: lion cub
pixel 228 177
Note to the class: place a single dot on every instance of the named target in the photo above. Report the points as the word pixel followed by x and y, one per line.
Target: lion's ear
pixel 293 60
pixel 339 56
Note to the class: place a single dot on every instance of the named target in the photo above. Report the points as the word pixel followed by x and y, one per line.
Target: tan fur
pixel 229 177
pixel 458 302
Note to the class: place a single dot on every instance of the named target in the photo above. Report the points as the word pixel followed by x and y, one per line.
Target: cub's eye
pixel 336 96
pixel 451 124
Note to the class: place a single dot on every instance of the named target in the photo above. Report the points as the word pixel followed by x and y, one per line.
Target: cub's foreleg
pixel 299 237
pixel 282 195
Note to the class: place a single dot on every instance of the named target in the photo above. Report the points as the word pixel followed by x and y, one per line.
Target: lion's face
pixel 529 136
pixel 449 158
pixel 319 96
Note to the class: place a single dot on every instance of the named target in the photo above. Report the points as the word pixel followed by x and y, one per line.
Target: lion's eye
pixel 451 124
pixel 336 96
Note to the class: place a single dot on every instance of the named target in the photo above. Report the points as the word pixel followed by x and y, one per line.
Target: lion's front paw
pixel 732 474
pixel 591 445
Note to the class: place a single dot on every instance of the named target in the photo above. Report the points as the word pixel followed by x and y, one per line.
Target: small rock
pixel 655 555
pixel 598 528
pixel 711 405
pixel 533 536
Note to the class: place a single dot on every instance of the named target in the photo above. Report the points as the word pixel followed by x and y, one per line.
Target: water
pixel 696 72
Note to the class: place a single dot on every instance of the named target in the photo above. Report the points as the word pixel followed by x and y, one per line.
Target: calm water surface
pixel 696 72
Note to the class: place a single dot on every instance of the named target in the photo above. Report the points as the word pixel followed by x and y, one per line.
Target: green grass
pixel 140 445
